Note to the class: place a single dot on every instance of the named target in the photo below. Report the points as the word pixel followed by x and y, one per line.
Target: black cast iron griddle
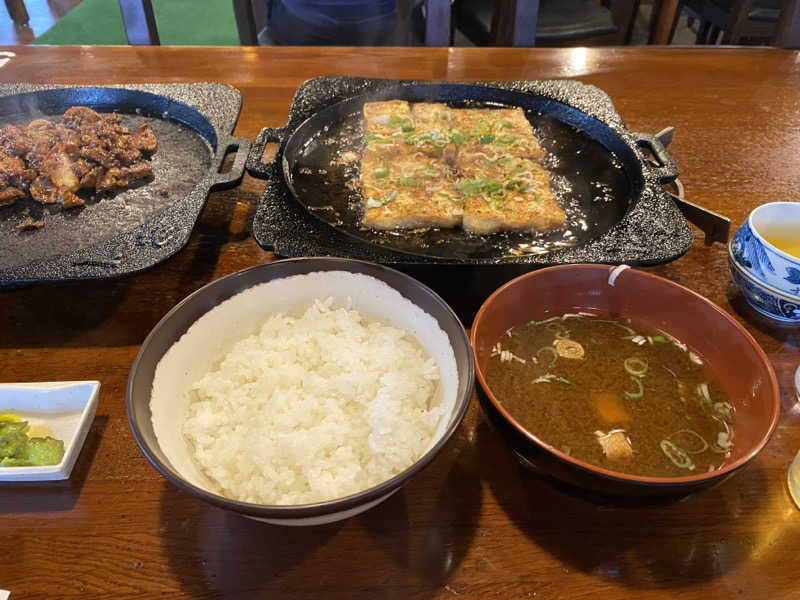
pixel 135 228
pixel 618 211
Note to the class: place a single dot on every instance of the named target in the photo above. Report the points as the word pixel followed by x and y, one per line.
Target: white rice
pixel 313 408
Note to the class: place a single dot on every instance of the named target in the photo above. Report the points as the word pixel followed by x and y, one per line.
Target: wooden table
pixel 473 525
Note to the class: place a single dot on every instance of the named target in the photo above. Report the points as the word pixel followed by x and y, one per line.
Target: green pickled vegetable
pixel 18 450
pixel 15 462
pixel 9 427
pixel 43 451
pixel 10 444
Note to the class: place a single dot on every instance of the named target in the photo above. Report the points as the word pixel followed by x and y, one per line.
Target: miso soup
pixel 617 396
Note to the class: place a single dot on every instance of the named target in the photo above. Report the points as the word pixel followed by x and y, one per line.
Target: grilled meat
pixel 9 195
pixel 144 139
pixel 51 162
pixel 14 140
pixel 30 224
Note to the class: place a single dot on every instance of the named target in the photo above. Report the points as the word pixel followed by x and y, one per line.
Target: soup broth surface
pixel 613 394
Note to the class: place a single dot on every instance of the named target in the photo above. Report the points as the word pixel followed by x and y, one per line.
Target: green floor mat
pixel 180 23
pixel 95 22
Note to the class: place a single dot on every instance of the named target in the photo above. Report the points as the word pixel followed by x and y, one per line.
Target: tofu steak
pixel 434 166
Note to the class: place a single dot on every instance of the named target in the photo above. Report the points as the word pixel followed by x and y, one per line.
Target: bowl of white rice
pixel 301 392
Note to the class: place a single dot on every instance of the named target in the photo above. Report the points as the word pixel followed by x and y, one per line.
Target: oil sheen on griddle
pixel 587 179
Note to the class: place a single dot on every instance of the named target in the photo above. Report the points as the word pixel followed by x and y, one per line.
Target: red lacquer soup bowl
pixel 733 357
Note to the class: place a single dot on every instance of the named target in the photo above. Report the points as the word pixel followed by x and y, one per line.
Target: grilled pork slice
pixel 15 141
pixel 14 172
pixel 9 195
pixel 145 139
pixel 30 224
pixel 516 197
pixel 408 192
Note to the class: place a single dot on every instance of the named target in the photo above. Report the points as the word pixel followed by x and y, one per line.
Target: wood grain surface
pixel 472 525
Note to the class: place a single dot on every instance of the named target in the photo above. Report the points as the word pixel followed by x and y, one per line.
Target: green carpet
pixel 180 23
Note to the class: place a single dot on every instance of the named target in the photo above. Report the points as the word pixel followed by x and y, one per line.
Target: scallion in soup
pixel 614 395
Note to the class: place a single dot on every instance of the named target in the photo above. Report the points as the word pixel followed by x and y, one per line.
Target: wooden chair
pixel 735 19
pixel 788 34
pixel 141 28
pixel 771 20
pixel 18 12
pixel 543 22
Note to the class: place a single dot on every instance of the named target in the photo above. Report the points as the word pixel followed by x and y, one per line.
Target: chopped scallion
pixel 639 391
pixel 678 457
pixel 635 366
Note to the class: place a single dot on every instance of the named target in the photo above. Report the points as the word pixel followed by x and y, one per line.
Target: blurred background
pixel 399 22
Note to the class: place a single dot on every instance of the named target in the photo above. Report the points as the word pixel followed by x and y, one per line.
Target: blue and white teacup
pixel 765 299
pixel 762 260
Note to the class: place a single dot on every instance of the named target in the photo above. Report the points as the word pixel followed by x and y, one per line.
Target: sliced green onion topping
pixel 635 366
pixel 409 181
pixel 547 350
pixel 557 329
pixel 677 456
pixel 517 185
pixel 404 123
pixel 703 443
pixel 639 391
pixel 549 378
pixel 381 172
pixel 724 410
pixel 533 323
pixel 705 397
pixel 620 325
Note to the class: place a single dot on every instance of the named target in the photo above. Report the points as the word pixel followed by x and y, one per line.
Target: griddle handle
pixel 717 227
pixel 234 176
pixel 665 170
pixel 255 166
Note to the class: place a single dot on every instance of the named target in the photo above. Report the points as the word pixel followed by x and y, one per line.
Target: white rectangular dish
pixel 66 408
